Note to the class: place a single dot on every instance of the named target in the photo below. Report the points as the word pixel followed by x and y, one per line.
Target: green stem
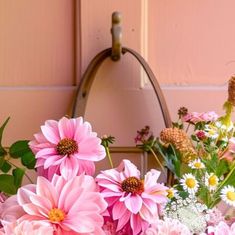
pixel 24 173
pixel 109 156
pixel 187 128
pixel 158 161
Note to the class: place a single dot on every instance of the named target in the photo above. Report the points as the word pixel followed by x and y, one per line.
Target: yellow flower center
pixel 67 146
pixel 190 182
pixel 132 185
pixel 170 193
pixel 198 165
pixel 56 215
pixel 231 195
pixel 213 180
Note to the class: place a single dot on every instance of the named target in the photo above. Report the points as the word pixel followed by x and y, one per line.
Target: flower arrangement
pixel 196 154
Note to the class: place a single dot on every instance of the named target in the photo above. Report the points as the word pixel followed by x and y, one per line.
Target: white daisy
pixel 211 181
pixel 189 183
pixel 228 195
pixel 211 131
pixel 196 164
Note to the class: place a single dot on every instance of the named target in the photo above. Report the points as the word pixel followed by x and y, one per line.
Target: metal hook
pixel 116 32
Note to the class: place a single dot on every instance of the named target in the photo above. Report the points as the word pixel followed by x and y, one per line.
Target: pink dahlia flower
pixel 70 207
pixel 167 227
pixel 221 229
pixel 67 147
pixel 27 228
pixel 130 199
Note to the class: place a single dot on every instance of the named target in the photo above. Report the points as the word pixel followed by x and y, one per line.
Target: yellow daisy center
pixel 212 180
pixel 170 193
pixel 67 146
pixel 190 182
pixel 198 165
pixel 56 215
pixel 132 185
pixel 230 195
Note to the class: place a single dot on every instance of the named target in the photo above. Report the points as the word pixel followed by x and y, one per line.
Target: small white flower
pixel 211 181
pixel 224 127
pixel 228 195
pixel 189 183
pixel 211 131
pixel 196 164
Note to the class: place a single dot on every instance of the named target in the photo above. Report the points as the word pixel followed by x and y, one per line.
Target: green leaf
pixel 5 167
pixel 222 168
pixel 18 174
pixel 2 160
pixel 7 184
pixel 19 148
pixel 28 160
pixel 2 129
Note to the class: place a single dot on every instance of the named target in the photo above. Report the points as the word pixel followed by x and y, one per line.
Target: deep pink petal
pixel 118 210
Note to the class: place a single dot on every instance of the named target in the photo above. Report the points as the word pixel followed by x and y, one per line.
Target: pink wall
pixel 192 51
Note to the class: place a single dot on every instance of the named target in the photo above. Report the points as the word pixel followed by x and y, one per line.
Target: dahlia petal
pixel 135 223
pixel 134 203
pixel 84 225
pixel 82 130
pixel 24 194
pixel 41 202
pixel 123 220
pixel 66 128
pixel 32 210
pixel 118 210
pixel 50 134
pixel 45 189
pixel 86 166
pixel 53 160
pixel 129 169
pixel 44 153
pixel 110 186
pixel 69 167
pixel 151 178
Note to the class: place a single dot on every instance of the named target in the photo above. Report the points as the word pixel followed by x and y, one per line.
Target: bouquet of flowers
pixel 196 153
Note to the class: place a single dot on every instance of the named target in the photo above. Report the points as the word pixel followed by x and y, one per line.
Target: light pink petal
pixel 44 153
pixel 86 166
pixel 84 225
pixel 129 169
pixel 50 134
pixel 46 189
pixel 134 203
pixel 69 167
pixel 53 160
pixel 66 128
pixel 83 130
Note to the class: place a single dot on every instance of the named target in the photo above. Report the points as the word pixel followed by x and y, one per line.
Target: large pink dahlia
pixel 132 200
pixel 70 207
pixel 67 147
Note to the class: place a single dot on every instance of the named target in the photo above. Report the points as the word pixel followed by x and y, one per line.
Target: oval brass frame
pixel 85 85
